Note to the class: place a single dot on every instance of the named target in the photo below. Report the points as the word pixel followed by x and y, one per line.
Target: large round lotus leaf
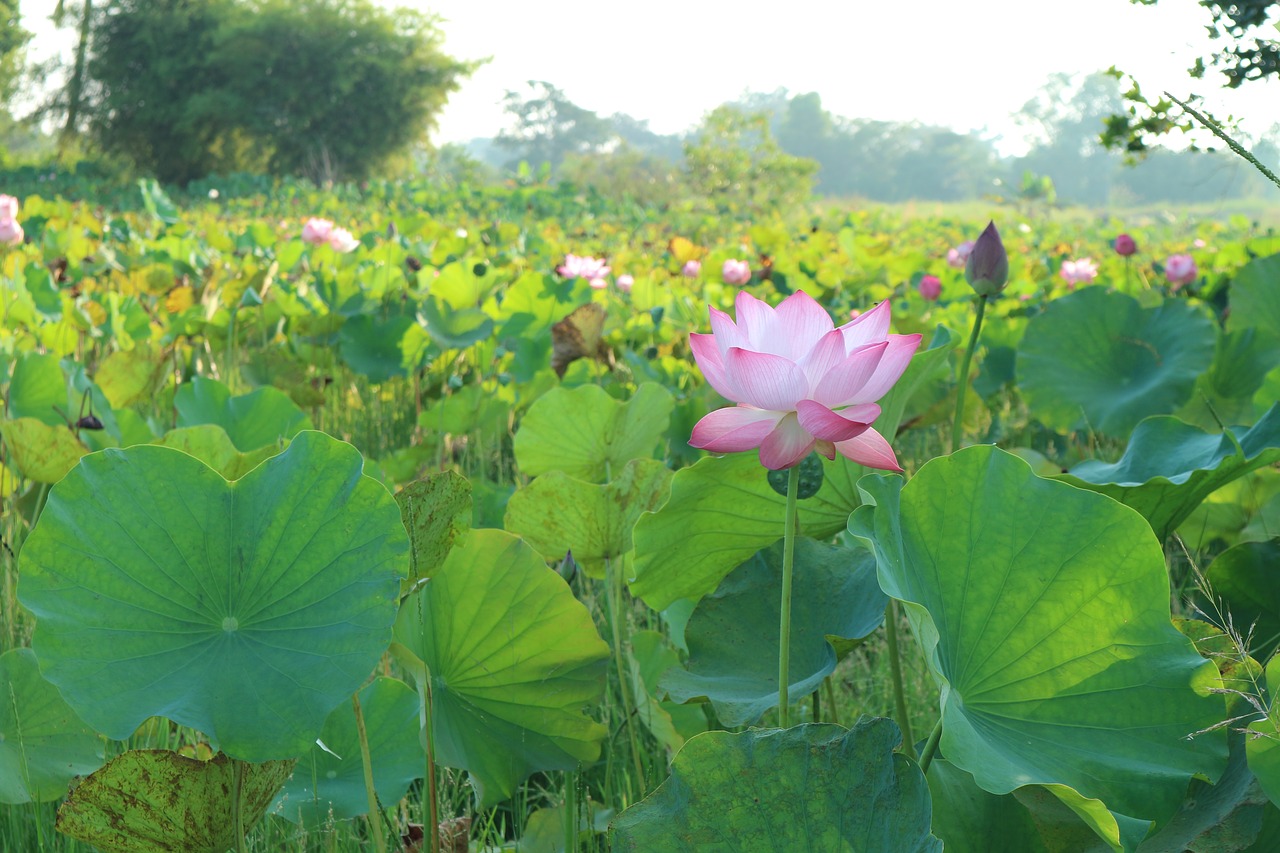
pixel 1262 740
pixel 247 610
pixel 587 434
pixel 1246 580
pixel 43 744
pixel 371 345
pixel 1226 393
pixel 513 660
pixel 1255 296
pixel 436 511
pixel 126 375
pixel 41 452
pixel 966 817
pixel 212 446
pixel 252 420
pixel 557 513
pixel 1169 467
pixel 1101 361
pixel 455 328
pixel 1044 613
pixel 733 634
pixel 810 787
pixel 156 801
pixel 329 784
pixel 721 512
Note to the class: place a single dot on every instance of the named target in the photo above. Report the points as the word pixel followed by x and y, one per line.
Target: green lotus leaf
pixel 252 420
pixel 1169 467
pixel 513 660
pixel 1255 296
pixel 247 610
pixel 733 633
pixel 652 655
pixel 156 801
pixel 43 744
pixel 436 511
pixel 38 389
pixel 1058 662
pixel 1226 393
pixel 721 512
pixel 557 513
pixel 1101 361
pixel 585 433
pixel 1246 579
pixel 809 787
pixel 330 783
pixel 544 829
pixel 455 329
pixel 212 446
pixel 1262 740
pixel 126 375
pixel 39 451
pixel 965 817
pixel 372 346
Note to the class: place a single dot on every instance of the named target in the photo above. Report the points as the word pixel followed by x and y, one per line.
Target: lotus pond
pixel 401 518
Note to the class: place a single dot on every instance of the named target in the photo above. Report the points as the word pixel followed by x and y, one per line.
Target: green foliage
pixel 13 39
pixel 776 789
pixel 734 162
pixel 321 88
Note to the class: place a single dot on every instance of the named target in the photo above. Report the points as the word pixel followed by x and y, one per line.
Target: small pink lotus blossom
pixel 342 241
pixel 691 269
pixel 1180 270
pixel 317 231
pixel 1081 271
pixel 1125 245
pixel 1199 243
pixel 10 232
pixel 736 272
pixel 799 382
pixel 592 269
pixel 8 208
pixel 930 288
pixel 959 256
pixel 625 282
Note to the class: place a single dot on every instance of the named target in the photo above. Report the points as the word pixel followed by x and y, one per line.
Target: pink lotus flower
pixel 736 272
pixel 930 288
pixel 10 232
pixel 592 269
pixel 342 241
pixel 799 382
pixel 958 256
pixel 691 269
pixel 1180 270
pixel 1125 245
pixel 625 283
pixel 317 231
pixel 1081 271
pixel 8 208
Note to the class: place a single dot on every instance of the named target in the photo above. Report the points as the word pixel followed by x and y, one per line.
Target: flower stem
pixel 784 623
pixel 374 816
pixel 958 426
pixel 931 746
pixel 895 664
pixel 237 812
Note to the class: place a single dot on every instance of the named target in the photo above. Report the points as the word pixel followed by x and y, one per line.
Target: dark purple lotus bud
pixel 987 269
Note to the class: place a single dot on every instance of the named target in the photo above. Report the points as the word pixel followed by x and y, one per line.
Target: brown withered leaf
pixel 579 336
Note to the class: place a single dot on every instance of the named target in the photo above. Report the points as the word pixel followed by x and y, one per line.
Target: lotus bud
pixel 930 288
pixel 987 269
pixel 1125 245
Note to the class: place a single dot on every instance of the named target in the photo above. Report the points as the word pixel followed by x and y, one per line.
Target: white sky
pixel 966 65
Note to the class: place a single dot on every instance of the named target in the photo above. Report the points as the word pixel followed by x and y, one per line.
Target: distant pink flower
pixel 342 241
pixel 592 269
pixel 958 256
pixel 10 232
pixel 8 208
pixel 1125 245
pixel 317 231
pixel 736 272
pixel 1180 270
pixel 1198 243
pixel 691 269
pixel 1080 271
pixel 930 288
pixel 625 283
pixel 799 382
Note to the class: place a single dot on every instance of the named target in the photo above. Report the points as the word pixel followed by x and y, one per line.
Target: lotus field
pixel 397 518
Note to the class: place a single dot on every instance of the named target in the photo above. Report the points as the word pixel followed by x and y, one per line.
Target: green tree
pixel 546 126
pixel 13 39
pixel 734 160
pixel 322 88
